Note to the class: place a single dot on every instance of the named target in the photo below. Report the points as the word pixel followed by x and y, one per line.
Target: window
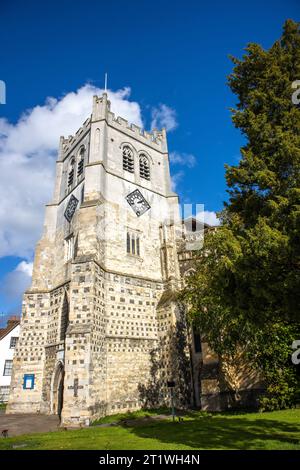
pixel 80 162
pixel 4 393
pixel 144 167
pixel 71 172
pixel 133 243
pixel 128 243
pixel 13 342
pixel 69 247
pixel 82 194
pixel 128 163
pixel 197 342
pixel 8 367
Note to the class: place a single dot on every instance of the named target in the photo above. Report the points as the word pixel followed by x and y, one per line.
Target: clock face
pixel 138 203
pixel 71 207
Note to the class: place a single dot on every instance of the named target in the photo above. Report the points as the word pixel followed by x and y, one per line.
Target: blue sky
pixel 168 53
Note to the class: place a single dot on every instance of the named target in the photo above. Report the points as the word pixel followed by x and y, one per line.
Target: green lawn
pixel 276 430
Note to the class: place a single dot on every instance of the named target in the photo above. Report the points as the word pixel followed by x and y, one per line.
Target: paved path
pixel 27 423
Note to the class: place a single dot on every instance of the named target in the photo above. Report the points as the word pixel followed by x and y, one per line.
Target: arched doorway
pixel 57 389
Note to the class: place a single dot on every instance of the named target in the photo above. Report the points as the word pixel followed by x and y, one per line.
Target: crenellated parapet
pixel 157 139
pixel 67 144
pixel 101 110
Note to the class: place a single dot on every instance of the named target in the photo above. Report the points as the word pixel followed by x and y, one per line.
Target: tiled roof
pixel 12 322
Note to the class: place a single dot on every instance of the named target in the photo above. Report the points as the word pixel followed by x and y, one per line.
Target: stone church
pixel 102 330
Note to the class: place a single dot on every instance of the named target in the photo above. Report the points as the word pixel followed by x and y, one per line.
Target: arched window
pixel 70 244
pixel 80 162
pixel 71 172
pixel 144 167
pixel 128 163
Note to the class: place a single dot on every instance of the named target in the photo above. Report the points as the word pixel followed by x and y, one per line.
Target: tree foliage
pixel 246 289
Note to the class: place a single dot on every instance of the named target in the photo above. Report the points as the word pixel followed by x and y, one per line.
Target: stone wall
pixel 218 383
pixel 30 354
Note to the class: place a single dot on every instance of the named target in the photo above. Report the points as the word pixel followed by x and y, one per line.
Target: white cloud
pixel 16 282
pixel 175 179
pixel 27 161
pixel 208 217
pixel 185 159
pixel 182 159
pixel 164 116
pixel 25 267
pixel 28 152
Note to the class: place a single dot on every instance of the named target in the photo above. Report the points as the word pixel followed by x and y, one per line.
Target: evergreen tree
pixel 246 289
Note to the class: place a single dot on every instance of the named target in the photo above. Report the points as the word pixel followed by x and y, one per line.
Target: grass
pixel 275 430
pixel 130 415
pixel 2 406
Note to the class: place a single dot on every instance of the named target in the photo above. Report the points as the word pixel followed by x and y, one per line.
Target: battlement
pixel 66 144
pixel 101 110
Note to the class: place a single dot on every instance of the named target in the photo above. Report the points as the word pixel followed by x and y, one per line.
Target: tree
pixel 246 289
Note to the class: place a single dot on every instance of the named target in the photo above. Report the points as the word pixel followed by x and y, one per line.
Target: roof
pixel 195 222
pixel 12 323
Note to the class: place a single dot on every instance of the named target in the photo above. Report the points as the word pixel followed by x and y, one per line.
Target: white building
pixel 8 339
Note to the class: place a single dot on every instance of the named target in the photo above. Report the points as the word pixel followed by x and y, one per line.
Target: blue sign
pixel 28 383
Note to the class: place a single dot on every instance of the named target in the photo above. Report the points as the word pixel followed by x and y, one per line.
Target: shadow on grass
pixel 130 415
pixel 217 432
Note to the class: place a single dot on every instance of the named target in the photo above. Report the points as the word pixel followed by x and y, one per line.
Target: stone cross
pixel 75 387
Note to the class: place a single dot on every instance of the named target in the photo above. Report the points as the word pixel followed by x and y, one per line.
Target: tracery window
pixel 128 162
pixel 144 167
pixel 71 172
pixel 81 161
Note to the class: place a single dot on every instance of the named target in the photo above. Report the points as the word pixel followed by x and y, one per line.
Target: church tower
pixel 95 321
